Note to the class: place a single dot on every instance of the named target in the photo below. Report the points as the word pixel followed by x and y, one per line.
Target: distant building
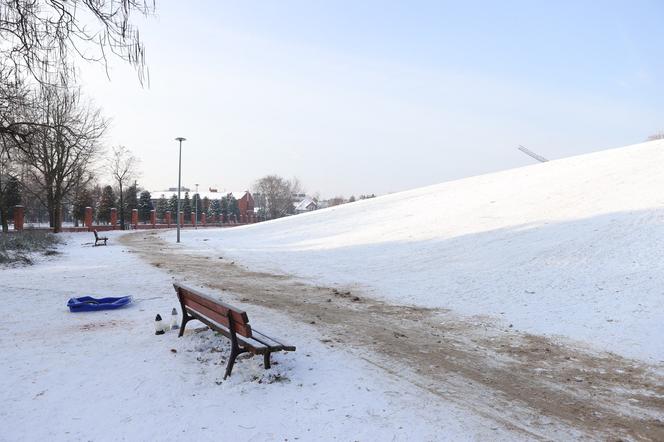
pixel 245 203
pixel 307 204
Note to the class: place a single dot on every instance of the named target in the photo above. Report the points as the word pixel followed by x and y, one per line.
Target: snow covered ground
pixel 569 247
pixel 106 376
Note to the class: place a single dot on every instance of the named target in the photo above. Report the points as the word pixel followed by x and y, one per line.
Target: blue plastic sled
pixel 90 304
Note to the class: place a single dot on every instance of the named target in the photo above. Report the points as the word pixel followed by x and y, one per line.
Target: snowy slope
pixel 569 247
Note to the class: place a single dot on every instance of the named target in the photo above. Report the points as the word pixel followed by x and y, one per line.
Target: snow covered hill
pixel 571 247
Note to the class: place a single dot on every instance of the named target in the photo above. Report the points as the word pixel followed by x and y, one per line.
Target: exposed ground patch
pixel 531 384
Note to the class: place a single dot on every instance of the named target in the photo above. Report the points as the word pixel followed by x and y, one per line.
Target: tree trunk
pixel 122 220
pixel 4 214
pixel 50 207
pixel 57 226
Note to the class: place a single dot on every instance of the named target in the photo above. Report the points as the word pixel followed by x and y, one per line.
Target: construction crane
pixel 532 154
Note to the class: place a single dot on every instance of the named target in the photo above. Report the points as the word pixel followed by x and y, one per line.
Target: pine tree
pixel 173 204
pixel 223 206
pixel 233 208
pixel 96 199
pixel 145 206
pixel 197 204
pixel 12 195
pixel 206 206
pixel 162 207
pixel 186 206
pixel 215 208
pixel 131 199
pixel 83 199
pixel 106 203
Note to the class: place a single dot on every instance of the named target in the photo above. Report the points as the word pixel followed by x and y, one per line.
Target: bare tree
pixel 274 195
pixel 123 168
pixel 12 98
pixel 336 201
pixel 8 173
pixel 15 106
pixel 61 146
pixel 41 36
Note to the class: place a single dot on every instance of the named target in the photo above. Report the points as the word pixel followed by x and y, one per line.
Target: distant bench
pixel 230 322
pixel 99 239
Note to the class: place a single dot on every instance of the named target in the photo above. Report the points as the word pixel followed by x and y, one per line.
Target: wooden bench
pixel 99 238
pixel 230 322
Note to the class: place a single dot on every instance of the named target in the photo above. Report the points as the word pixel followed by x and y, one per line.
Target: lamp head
pixel 180 139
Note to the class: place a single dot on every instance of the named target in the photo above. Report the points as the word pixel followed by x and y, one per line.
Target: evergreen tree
pixel 186 206
pixel 96 199
pixel 206 206
pixel 197 204
pixel 173 204
pixel 145 206
pixel 83 199
pixel 131 199
pixel 106 203
pixel 162 207
pixel 223 206
pixel 215 208
pixel 12 195
pixel 233 208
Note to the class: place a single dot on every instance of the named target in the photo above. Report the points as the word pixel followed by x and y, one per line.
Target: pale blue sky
pixel 375 97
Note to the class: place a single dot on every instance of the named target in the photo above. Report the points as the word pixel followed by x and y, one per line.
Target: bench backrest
pixel 96 236
pixel 213 309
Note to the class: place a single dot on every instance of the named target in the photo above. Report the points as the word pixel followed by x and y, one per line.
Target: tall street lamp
pixel 180 139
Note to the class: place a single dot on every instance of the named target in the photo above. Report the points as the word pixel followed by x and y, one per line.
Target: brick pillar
pixel 114 218
pixel 193 218
pixel 168 218
pixel 203 220
pixel 134 217
pixel 88 217
pixel 19 216
pixel 181 219
pixel 153 217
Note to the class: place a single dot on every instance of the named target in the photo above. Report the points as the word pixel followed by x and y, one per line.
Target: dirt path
pixel 530 384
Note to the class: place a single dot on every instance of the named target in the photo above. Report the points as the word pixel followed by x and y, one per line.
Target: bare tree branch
pixel 42 37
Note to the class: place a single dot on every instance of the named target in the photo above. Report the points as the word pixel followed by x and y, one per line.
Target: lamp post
pixel 180 139
pixel 196 208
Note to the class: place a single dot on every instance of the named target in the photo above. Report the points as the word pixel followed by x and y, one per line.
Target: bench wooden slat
pixel 271 342
pixel 242 329
pixel 239 316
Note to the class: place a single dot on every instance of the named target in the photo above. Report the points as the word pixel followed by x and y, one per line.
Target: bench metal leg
pixel 266 360
pixel 235 351
pixel 185 318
